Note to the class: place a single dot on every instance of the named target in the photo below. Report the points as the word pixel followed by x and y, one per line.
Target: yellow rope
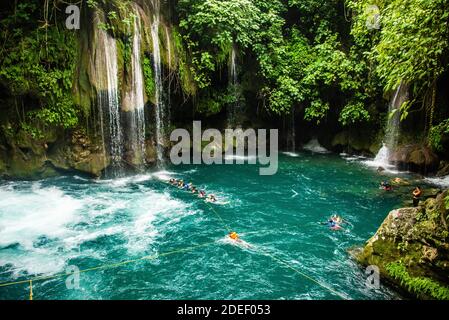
pixel 218 215
pixel 152 257
pixel 106 266
pixel 31 289
pixel 221 219
pixel 286 264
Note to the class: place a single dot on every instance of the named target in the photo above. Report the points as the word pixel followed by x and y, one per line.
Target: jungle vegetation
pixel 333 59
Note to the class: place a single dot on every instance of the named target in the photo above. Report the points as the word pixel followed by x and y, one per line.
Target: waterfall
pixel 170 78
pixel 293 132
pixel 169 54
pixel 392 130
pixel 159 107
pixel 233 85
pixel 137 123
pixel 105 72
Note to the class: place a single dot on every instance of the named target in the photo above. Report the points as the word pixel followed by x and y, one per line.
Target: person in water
pixel 398 180
pixel 201 194
pixel 337 219
pixel 211 198
pixel 234 236
pixel 385 185
pixel 333 225
pixel 194 190
pixel 416 195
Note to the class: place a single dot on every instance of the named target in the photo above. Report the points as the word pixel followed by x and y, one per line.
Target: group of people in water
pixel 201 194
pixel 335 222
pixel 416 193
pixel 191 188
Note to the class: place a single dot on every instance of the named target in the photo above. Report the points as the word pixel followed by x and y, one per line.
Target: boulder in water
pixel 360 143
pixel 443 169
pixel 416 157
pixel 411 249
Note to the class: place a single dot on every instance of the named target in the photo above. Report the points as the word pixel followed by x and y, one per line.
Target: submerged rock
pixel 411 249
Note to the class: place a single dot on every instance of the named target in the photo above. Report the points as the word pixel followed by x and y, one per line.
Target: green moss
pixel 120 61
pixel 184 67
pixel 421 286
pixel 150 87
pixel 2 166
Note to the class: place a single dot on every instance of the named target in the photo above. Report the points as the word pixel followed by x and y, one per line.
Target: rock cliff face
pixel 415 157
pixel 30 158
pixel 411 249
pixel 58 152
pixel 86 147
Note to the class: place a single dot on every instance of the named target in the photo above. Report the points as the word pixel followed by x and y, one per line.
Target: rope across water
pixel 262 251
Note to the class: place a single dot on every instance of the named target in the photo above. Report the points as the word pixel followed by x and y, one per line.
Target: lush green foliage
pixel 38 61
pixel 212 27
pixel 409 47
pixel 150 87
pixel 436 134
pixel 419 285
pixel 304 64
pixel 327 60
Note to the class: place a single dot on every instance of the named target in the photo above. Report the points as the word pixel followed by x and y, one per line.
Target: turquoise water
pixel 48 225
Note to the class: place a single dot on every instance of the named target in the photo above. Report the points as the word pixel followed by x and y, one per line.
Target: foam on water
pixel 372 163
pixel 41 228
pixel 29 214
pixel 163 175
pixel 145 210
pixel 439 181
pixel 314 146
pixel 291 154
pixel 239 158
pixel 103 223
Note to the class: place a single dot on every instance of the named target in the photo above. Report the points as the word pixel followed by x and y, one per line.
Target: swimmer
pixel 416 195
pixel 211 198
pixel 397 180
pixel 201 194
pixel 337 219
pixel 234 236
pixel 333 225
pixel 385 185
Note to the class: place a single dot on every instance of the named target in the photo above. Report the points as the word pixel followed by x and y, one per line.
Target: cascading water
pixel 105 71
pixel 137 126
pixel 170 75
pixel 292 132
pixel 392 130
pixel 233 84
pixel 159 107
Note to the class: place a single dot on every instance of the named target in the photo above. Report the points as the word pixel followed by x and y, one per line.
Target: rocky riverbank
pixel 23 156
pixel 411 249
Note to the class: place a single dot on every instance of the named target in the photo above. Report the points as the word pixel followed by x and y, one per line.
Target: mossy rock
pixel 355 142
pixel 419 241
pixel 2 166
